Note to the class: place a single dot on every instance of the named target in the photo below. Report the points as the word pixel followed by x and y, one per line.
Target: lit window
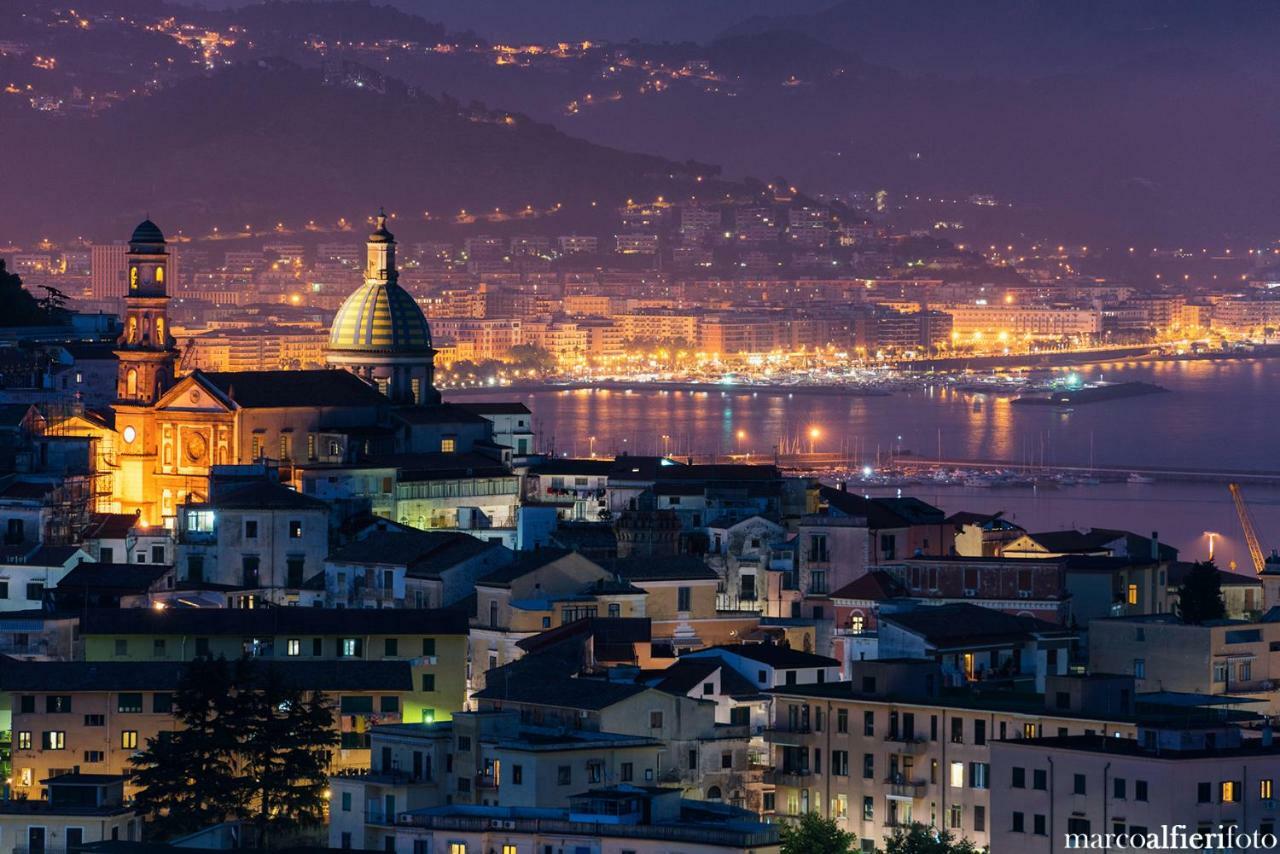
pixel 1264 789
pixel 448 446
pixel 957 775
pixel 1133 594
pixel 293 647
pixel 1229 791
pixel 129 739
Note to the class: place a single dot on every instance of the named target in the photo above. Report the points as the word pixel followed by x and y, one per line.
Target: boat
pixel 978 481
pixel 1134 477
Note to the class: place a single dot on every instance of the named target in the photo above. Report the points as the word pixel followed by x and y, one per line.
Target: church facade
pixel 164 433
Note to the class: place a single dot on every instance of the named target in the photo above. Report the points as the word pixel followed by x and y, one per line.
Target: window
pixel 564 775
pixel 1078 785
pixel 1140 790
pixel 390 647
pixel 868 723
pixel 428 646
pixel 35 591
pixel 95 720
pixel 955 817
pixel 1118 788
pixel 627 772
pixel 1039 779
pixel 121 646
pixel 957 731
pixel 1229 791
pixel 1219 669
pixel 351 648
pixel 24 741
pixel 1132 596
pixel 295 571
pixel 840 763
pixel 428 682
pixel 129 703
pixel 684 598
pixel 346 802
pixel 868 809
pixel 979 775
pixel 1264 789
pixel 1203 792
pixel 1019 778
pixel 842 721
pixel 295 529
pixel 93 756
pixel 157 554
pixel 868 766
pixel 655 720
pixel 979 819
pixel 158 648
pixel 162 703
pixel 979 732
pixel 448 445
pixel 726 760
pixel 517 775
pixel 1039 825
pixel 389 704
pixel 251 529
pixel 1139 668
pixel 692 759
pixel 129 739
pixel 293 646
pixel 55 739
pixel 1019 823
pixel 57 704
pixel 957 775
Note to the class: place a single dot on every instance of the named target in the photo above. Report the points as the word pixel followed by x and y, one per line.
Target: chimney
pixel 1155 545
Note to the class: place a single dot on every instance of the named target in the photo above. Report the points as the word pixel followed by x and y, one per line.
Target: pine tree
pixel 188 779
pixel 286 738
pixel 1200 596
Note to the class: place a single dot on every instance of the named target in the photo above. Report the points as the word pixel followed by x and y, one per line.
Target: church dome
pixel 380 317
pixel 147 232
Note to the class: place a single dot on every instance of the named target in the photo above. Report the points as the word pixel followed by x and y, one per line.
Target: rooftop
pixel 279 389
pixel 271 621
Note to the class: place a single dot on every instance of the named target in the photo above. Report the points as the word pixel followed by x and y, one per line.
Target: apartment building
pixel 1167 783
pixel 890 746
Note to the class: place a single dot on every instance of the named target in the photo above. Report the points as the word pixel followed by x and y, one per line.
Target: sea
pixel 1220 415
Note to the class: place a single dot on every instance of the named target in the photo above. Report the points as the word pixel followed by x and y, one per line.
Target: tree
pixel 813 834
pixel 20 307
pixel 247 745
pixel 285 746
pixel 188 778
pixel 532 357
pixel 1200 596
pixel 921 839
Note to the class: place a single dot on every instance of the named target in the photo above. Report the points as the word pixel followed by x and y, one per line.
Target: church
pixel 377 400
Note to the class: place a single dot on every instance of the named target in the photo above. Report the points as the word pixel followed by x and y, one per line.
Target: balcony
pixel 901 787
pixel 911 745
pixel 792 735
pixel 486 781
pixel 794 777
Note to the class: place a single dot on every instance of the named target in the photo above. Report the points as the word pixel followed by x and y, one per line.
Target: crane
pixel 1250 535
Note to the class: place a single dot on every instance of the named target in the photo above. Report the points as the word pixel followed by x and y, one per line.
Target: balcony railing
pixel 904 788
pixel 796 777
pixel 909 744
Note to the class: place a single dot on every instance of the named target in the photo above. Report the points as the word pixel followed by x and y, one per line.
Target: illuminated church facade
pixel 164 432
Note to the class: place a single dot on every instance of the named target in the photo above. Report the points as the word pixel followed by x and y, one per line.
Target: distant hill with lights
pixel 272 141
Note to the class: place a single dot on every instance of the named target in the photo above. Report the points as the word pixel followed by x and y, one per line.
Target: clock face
pixel 130 434
pixel 195 446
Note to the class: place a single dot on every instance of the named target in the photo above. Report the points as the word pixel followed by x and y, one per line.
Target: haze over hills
pixel 261 144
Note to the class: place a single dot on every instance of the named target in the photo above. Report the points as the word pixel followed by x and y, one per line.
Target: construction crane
pixel 1250 534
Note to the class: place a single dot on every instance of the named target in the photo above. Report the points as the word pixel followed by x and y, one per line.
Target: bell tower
pixel 147 359
pixel 146 350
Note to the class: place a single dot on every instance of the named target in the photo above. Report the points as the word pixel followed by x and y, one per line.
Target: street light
pixel 665 445
pixel 592 445
pixel 814 433
pixel 742 434
pixel 1213 536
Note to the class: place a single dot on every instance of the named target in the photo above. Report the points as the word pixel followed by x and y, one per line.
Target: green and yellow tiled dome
pixel 380 317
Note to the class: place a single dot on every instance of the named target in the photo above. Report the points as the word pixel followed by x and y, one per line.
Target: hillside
pixel 269 142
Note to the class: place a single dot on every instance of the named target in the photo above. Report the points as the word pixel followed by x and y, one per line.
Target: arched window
pixel 159 275
pixel 713 794
pixel 131 383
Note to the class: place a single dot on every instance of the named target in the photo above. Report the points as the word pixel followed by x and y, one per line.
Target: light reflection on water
pixel 1219 415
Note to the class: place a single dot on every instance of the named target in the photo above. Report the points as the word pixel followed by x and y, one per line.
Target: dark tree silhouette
pixel 922 839
pixel 1200 596
pixel 813 834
